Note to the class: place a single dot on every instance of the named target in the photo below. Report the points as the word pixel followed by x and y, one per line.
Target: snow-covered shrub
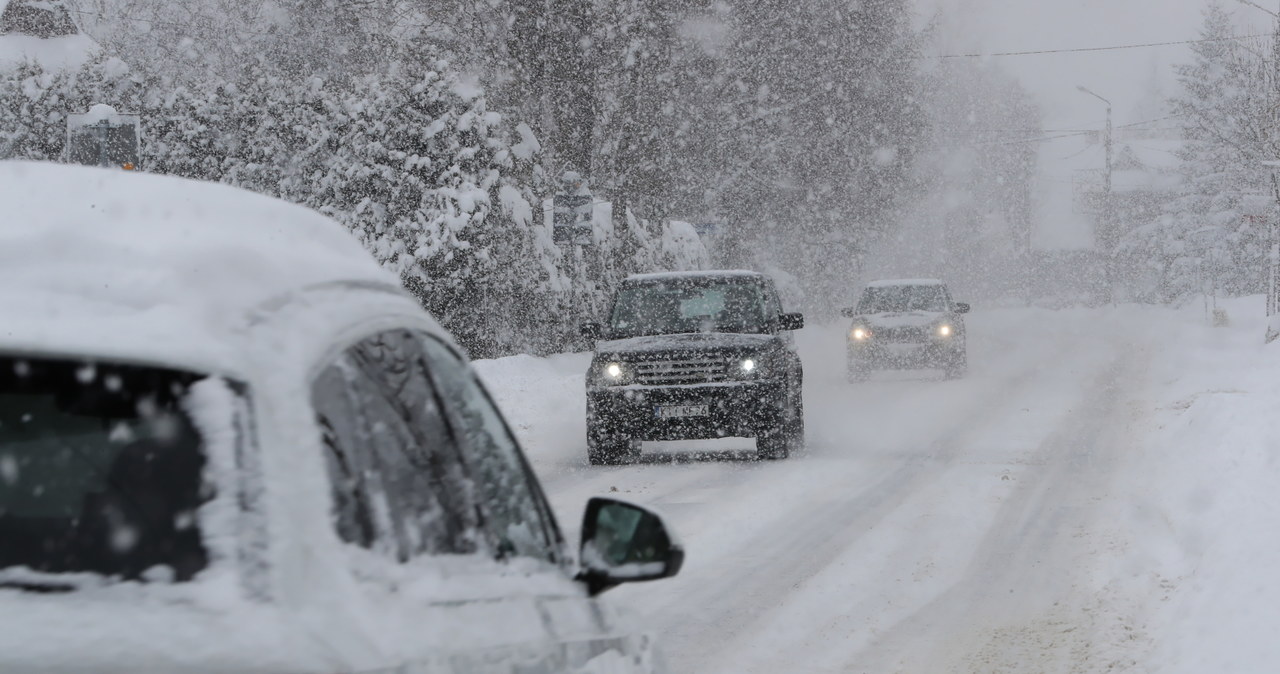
pixel 35 102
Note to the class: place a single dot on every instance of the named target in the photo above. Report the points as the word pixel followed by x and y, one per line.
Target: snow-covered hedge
pixel 438 186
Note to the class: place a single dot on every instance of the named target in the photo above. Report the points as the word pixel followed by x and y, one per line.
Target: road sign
pixel 571 214
pixel 103 137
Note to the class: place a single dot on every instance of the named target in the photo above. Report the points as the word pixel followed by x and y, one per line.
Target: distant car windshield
pixel 686 306
pixel 899 298
pixel 100 470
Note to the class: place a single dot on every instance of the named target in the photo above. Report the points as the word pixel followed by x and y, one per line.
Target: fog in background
pixel 988 257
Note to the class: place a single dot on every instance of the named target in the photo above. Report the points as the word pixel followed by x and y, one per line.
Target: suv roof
pixel 707 274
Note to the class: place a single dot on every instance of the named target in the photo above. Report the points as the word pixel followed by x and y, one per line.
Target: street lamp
pixel 1108 236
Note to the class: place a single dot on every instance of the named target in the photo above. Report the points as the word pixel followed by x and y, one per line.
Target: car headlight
pixel 860 334
pixel 613 373
pixel 945 330
pixel 747 367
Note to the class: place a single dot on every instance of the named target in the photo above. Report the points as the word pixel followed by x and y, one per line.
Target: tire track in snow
pixel 1021 609
pixel 807 540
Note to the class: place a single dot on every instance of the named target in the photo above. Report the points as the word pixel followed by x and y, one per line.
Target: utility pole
pixel 1257 6
pixel 1108 237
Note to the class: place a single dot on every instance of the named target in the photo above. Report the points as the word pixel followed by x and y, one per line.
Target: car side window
pixel 516 516
pixel 773 306
pixel 400 482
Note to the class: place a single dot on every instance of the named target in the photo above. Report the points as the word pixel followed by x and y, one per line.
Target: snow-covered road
pixel 1000 523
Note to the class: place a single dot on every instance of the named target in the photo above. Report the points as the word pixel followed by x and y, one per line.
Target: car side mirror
pixel 625 543
pixel 590 330
pixel 962 308
pixel 848 312
pixel 790 321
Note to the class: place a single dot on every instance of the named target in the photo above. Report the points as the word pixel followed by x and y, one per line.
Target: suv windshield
pixel 886 299
pixel 688 305
pixel 100 470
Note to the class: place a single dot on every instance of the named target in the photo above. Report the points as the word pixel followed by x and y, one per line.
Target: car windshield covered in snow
pixel 100 471
pixel 688 305
pixel 901 298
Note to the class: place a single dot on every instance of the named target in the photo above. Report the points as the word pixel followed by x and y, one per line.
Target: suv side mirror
pixel 848 312
pixel 590 330
pixel 790 321
pixel 625 543
pixel 962 308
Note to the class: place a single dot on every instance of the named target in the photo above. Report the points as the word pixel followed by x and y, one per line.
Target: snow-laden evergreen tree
pixel 823 125
pixel 35 102
pixel 1227 106
pixel 637 123
pixel 550 77
pixel 178 40
pixel 186 130
pixel 425 175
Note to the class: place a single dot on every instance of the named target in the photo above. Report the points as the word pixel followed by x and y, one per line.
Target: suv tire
pixel 778 443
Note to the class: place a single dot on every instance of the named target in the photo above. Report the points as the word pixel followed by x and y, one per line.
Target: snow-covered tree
pixel 1228 106
pixel 35 102
pixel 822 123
pixel 972 221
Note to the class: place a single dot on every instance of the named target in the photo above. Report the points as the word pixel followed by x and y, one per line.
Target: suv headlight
pixel 612 373
pixel 944 330
pixel 748 367
pixel 860 333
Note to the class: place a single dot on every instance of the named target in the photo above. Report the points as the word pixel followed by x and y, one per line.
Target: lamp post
pixel 1107 236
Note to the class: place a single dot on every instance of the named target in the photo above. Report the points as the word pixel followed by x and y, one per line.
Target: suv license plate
pixel 682 411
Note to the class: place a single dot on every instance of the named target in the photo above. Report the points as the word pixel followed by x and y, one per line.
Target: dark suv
pixel 906 324
pixel 694 355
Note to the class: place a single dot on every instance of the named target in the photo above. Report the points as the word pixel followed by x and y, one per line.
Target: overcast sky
pixel 1124 76
pixel 1135 80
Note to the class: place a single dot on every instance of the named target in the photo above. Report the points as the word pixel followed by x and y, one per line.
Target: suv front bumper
pixel 905 355
pixel 735 409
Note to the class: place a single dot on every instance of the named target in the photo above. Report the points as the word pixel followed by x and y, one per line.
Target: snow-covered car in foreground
pixel 906 324
pixel 694 355
pixel 230 443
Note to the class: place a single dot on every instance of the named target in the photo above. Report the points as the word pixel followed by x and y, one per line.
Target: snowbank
pixel 1207 503
pixel 544 400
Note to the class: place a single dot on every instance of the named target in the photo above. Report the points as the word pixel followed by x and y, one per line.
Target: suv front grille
pixel 686 370
pixel 904 334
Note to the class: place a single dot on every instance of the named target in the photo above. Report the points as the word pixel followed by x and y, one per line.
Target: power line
pixel 1157 119
pixel 1090 49
pixel 1058 133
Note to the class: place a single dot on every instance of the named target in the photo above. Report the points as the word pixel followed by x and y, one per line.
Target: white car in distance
pixel 229 442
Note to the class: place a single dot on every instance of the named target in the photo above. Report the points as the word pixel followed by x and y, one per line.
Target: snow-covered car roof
pixel 672 275
pixel 885 283
pixel 113 263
